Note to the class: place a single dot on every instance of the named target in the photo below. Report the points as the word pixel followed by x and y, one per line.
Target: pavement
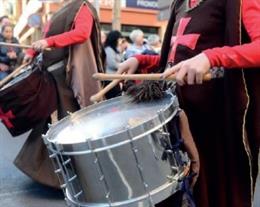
pixel 17 190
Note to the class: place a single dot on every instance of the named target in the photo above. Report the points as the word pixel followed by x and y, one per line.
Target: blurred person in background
pixel 137 46
pixel 4 20
pixel 123 47
pixel 113 58
pixel 154 45
pixel 103 37
pixel 9 56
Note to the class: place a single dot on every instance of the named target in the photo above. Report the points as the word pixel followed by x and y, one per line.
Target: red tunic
pixel 80 32
pixel 241 56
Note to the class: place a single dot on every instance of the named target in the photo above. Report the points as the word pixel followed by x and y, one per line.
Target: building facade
pixel 31 15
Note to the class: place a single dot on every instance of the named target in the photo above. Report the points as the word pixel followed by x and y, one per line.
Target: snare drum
pixel 27 99
pixel 113 153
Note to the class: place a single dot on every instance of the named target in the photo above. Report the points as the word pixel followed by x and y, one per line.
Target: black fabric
pixel 216 109
pixel 114 92
pixel 26 103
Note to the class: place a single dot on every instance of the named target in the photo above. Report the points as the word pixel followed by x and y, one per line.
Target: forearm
pixel 148 63
pixel 79 34
pixel 246 55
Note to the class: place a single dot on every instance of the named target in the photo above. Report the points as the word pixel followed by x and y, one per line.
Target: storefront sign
pixel 145 4
pixel 103 3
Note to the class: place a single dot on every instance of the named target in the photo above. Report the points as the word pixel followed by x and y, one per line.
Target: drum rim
pixel 28 69
pixel 138 131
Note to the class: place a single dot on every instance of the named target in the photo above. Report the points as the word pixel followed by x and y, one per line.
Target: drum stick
pixel 154 76
pixel 11 75
pixel 98 96
pixel 20 46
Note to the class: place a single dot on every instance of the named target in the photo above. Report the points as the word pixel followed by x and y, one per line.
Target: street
pixel 17 190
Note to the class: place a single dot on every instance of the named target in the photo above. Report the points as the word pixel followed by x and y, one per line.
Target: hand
pixel 12 55
pixel 193 68
pixel 129 66
pixel 27 59
pixel 40 45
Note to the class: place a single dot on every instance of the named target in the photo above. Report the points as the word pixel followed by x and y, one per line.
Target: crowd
pixel 10 56
pixel 117 47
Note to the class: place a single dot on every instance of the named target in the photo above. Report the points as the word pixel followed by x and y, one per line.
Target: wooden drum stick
pixel 154 76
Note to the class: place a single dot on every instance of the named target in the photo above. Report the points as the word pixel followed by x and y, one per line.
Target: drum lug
pixel 172 178
pixel 66 162
pixel 57 171
pixel 102 178
pixel 72 178
pixel 45 137
pixel 63 186
pixel 78 194
pixel 53 155
pixel 69 113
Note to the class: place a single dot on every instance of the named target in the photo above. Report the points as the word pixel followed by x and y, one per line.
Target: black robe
pixel 224 114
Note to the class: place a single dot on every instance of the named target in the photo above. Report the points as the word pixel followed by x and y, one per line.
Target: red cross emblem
pixel 188 40
pixel 5 117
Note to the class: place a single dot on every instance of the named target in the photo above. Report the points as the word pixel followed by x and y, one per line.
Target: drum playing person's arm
pixel 140 64
pixel 190 146
pixel 79 34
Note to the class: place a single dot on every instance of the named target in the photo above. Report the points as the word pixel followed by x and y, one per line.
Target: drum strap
pixel 56 66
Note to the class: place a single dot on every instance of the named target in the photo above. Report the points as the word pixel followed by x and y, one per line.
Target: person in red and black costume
pixel 224 113
pixel 76 53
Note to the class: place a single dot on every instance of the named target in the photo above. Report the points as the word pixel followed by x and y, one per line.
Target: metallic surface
pixel 103 159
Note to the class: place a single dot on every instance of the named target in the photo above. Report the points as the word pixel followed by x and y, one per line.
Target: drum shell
pixel 117 172
pixel 127 166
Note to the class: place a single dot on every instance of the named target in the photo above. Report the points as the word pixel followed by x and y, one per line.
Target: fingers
pixel 27 59
pixel 199 78
pixel 129 66
pixel 171 70
pixel 180 70
pixel 122 68
pixel 37 46
pixel 191 75
pixel 181 74
pixel 194 169
pixel 40 45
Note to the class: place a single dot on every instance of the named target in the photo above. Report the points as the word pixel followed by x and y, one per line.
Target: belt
pixel 56 66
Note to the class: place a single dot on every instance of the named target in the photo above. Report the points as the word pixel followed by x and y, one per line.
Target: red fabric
pixel 31 52
pixel 246 55
pixel 193 3
pixel 147 63
pixel 80 33
pixel 6 117
pixel 188 40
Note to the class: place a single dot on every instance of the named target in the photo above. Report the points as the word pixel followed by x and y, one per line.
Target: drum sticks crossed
pixel 116 78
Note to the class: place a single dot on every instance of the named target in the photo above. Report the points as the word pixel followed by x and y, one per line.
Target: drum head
pixel 111 118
